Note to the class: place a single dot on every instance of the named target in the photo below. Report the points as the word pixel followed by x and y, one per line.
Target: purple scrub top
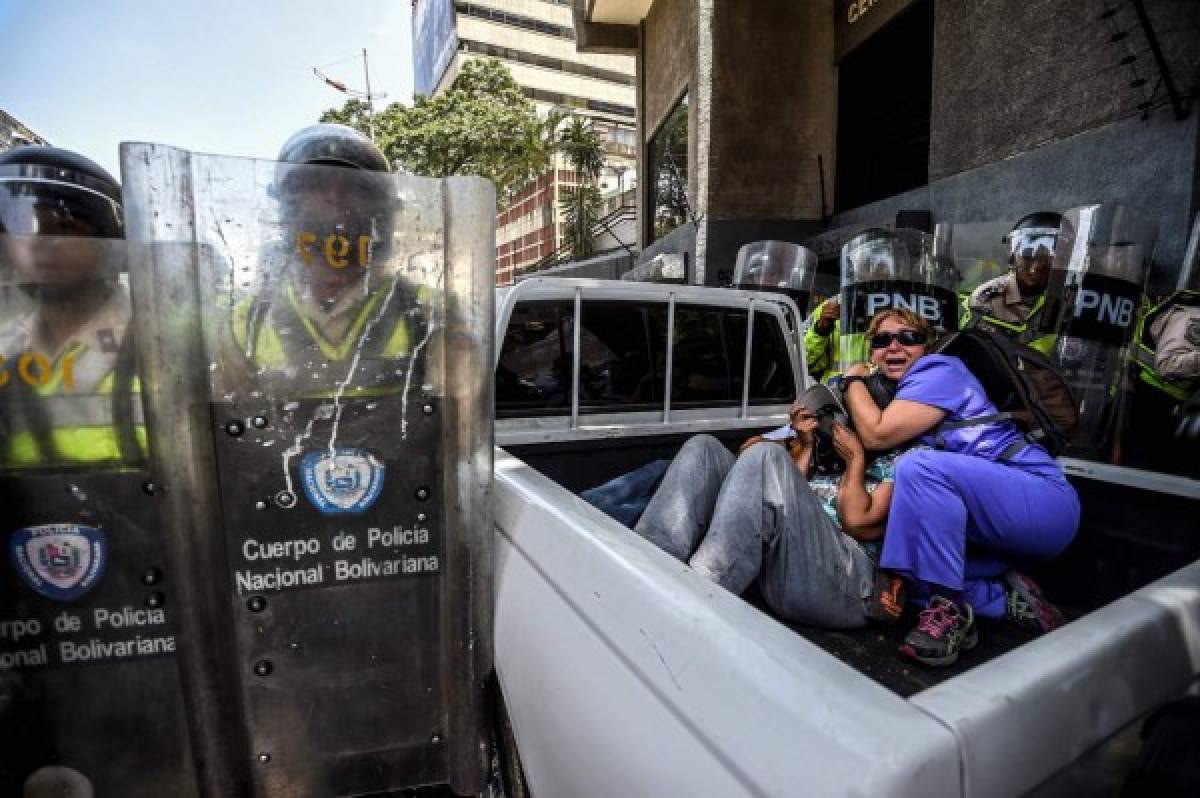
pixel 942 381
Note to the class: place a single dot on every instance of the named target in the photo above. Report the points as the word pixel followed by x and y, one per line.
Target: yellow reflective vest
pixel 53 425
pixel 280 336
pixel 1143 350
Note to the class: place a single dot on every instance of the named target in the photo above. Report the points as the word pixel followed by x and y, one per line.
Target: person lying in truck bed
pixel 810 537
pixel 968 506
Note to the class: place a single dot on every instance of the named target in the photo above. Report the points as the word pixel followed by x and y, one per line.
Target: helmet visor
pixel 44 205
pixel 875 257
pixel 1030 243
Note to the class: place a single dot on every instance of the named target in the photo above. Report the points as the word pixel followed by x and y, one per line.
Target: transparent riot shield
pixel 90 699
pixel 1092 300
pixel 1189 272
pixel 316 343
pixel 778 266
pixel 977 250
pixel 827 247
pixel 884 269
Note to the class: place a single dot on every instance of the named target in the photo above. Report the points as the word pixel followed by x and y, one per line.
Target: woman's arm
pixel 863 514
pixel 898 423
pixel 801 452
pixel 871 521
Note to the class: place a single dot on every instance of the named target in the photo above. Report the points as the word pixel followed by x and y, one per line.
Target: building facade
pixel 780 119
pixel 535 39
pixel 14 134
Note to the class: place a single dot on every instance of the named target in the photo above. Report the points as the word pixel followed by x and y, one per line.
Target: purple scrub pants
pixel 959 522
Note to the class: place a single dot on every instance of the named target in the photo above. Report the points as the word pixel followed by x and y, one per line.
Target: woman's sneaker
pixel 943 629
pixel 886 602
pixel 1026 606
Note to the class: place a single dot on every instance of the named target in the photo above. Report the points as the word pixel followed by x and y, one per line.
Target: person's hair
pixel 904 315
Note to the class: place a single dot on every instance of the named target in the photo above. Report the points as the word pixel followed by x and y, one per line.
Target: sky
pixel 224 76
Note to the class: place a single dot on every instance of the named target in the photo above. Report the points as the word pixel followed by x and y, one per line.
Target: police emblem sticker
pixel 343 481
pixel 59 561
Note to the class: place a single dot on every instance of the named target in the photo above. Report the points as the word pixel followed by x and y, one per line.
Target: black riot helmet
pixel 328 144
pixel 333 145
pixel 1033 233
pixel 350 206
pixel 52 191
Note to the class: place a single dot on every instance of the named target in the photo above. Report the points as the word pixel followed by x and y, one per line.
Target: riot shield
pixel 316 344
pixel 778 266
pixel 1092 298
pixel 976 249
pixel 1189 272
pixel 884 269
pixel 90 699
pixel 827 247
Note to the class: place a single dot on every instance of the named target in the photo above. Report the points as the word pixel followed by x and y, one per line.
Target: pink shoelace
pixel 935 619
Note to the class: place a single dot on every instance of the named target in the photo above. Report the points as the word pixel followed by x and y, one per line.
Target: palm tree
pixel 584 150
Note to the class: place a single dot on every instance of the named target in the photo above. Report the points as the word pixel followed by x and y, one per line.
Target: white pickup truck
pixel 625 673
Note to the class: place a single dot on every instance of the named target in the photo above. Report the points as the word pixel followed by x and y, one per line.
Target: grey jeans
pixel 734 520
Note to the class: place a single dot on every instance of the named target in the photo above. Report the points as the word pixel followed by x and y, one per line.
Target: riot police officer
pixel 1013 303
pixel 821 337
pixel 330 308
pixel 1166 364
pixel 66 366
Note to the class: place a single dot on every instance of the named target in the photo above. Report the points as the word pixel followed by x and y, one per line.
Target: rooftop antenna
pixel 344 89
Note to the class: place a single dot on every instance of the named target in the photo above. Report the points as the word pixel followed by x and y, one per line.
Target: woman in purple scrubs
pixel 965 512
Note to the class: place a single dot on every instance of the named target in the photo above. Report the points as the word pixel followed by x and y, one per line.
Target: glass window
pixel 668 168
pixel 709 356
pixel 771 380
pixel 623 358
pixel 534 374
pixel 621 352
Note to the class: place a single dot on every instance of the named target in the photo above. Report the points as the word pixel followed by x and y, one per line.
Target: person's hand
pixel 858 370
pixel 803 422
pixel 847 444
pixel 829 314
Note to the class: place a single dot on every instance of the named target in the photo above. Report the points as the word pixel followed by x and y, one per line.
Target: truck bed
pixel 1129 536
pixel 872 650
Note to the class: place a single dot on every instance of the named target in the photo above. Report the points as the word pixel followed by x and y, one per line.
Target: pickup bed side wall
pixel 625 673
pixel 1046 703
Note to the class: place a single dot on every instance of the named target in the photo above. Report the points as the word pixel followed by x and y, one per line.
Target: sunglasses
pixel 882 340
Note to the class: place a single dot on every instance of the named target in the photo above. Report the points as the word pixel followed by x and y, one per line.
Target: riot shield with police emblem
pixel 316 343
pixel 778 266
pixel 90 698
pixel 1092 298
pixel 882 269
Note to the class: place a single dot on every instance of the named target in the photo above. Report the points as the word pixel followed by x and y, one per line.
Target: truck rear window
pixel 623 358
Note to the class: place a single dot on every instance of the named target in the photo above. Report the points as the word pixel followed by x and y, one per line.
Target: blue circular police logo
pixel 342 482
pixel 59 561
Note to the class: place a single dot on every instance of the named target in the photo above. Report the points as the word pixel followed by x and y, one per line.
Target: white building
pixel 535 39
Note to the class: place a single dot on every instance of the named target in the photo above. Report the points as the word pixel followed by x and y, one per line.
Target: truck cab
pixel 624 672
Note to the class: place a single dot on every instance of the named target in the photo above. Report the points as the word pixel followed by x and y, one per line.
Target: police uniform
pixel 820 351
pixel 68 415
pixel 999 304
pixel 293 339
pixel 1166 357
pixel 1177 331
